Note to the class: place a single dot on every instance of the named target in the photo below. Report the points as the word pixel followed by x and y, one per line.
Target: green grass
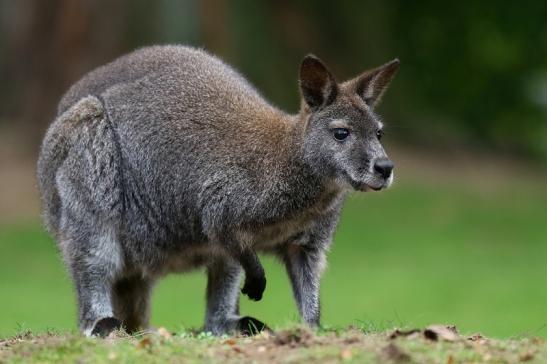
pixel 293 345
pixel 414 255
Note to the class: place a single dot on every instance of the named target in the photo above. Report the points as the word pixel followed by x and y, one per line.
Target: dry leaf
pixel 144 343
pixel 475 337
pixel 164 333
pixel 441 332
pixel 450 360
pixel 230 342
pixel 345 354
pixel 478 338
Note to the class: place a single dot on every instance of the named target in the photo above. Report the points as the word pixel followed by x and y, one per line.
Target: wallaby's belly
pixel 270 237
pixel 175 256
pixel 188 257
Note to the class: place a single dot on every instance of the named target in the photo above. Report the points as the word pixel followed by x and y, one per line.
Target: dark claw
pixel 249 326
pixel 254 288
pixel 105 326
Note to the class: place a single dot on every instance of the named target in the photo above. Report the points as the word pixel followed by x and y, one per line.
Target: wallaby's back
pixel 193 67
pixel 189 129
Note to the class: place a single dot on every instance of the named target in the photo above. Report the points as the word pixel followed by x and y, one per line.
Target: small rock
pixel 527 356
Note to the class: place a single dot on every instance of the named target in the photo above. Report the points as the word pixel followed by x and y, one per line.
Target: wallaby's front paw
pixel 254 287
pixel 105 326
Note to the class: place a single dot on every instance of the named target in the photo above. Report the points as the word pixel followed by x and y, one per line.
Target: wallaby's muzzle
pixel 383 167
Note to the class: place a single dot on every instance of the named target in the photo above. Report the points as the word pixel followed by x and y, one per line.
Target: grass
pixel 293 345
pixel 418 254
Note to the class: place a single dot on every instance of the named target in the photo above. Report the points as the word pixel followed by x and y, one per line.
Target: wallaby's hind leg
pixel 94 259
pixel 96 314
pixel 81 175
pixel 131 300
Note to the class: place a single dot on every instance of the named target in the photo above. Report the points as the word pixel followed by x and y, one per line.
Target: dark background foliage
pixel 473 73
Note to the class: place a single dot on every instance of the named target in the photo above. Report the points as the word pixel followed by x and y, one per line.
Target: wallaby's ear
pixel 372 84
pixel 317 84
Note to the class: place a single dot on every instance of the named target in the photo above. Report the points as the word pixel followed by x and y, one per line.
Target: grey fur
pixel 167 160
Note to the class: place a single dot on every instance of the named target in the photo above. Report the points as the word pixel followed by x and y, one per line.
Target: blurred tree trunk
pixel 45 44
pixel 50 44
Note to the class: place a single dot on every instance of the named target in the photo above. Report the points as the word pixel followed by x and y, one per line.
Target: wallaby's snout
pixel 383 167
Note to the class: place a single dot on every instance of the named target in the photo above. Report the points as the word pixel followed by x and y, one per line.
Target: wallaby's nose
pixel 383 166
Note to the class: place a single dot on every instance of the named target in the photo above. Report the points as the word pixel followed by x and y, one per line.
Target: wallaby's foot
pixel 249 326
pixel 246 326
pixel 254 287
pixel 105 326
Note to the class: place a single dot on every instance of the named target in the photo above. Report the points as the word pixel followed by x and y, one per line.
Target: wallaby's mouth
pixel 365 186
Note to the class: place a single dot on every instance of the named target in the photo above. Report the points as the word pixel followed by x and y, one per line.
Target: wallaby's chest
pixel 267 237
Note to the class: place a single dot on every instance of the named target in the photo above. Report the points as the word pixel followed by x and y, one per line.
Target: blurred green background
pixel 461 238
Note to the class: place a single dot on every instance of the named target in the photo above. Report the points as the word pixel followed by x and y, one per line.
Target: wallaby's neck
pixel 290 145
pixel 294 171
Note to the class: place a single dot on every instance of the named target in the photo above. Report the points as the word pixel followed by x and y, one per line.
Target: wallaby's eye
pixel 340 133
pixel 379 134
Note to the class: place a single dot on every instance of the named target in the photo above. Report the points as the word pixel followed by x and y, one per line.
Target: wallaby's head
pixel 342 134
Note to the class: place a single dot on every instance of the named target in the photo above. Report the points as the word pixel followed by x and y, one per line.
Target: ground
pixel 437 344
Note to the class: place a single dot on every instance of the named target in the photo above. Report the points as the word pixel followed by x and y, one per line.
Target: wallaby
pixel 167 159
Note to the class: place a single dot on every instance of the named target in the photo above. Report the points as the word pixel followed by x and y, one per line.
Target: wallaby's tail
pixel 57 142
